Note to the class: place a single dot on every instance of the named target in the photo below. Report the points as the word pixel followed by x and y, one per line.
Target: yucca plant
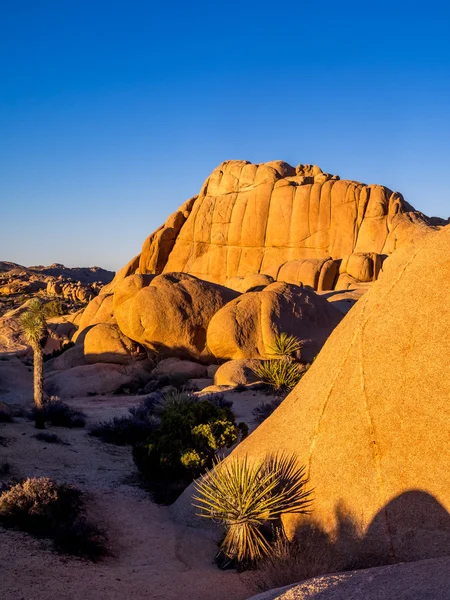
pixel 244 496
pixel 280 375
pixel 35 329
pixel 285 346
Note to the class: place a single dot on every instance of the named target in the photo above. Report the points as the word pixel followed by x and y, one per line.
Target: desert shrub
pixel 47 509
pixel 60 414
pixel 286 346
pixel 126 430
pixel 265 409
pixel 191 433
pixel 147 406
pixel 54 308
pixel 290 561
pixel 245 497
pixel 314 551
pixel 188 437
pixel 132 429
pixel 281 375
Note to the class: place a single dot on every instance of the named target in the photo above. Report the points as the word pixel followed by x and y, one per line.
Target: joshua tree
pixel 35 330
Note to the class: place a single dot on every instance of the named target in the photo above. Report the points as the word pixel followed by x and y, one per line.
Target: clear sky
pixel 113 113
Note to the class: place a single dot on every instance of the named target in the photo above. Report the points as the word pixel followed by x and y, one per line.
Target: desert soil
pixel 151 556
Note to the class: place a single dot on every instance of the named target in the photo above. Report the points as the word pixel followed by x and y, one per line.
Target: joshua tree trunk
pixel 39 385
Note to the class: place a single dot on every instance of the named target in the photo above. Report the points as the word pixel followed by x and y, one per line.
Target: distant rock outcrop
pixel 73 286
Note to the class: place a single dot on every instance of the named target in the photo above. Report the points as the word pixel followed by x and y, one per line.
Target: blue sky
pixel 113 113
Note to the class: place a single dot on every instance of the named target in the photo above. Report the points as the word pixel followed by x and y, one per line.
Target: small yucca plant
pixel 280 375
pixel 285 346
pixel 243 496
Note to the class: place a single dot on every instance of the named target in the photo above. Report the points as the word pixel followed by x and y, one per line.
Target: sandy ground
pixel 152 557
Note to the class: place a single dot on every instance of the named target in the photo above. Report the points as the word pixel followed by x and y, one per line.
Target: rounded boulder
pixel 248 326
pixel 169 314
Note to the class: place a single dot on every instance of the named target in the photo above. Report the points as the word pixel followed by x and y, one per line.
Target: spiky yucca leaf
pixel 244 495
pixel 281 375
pixel 292 482
pixel 285 345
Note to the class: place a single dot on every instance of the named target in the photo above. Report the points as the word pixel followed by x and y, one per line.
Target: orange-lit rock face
pixel 251 219
pixel 370 419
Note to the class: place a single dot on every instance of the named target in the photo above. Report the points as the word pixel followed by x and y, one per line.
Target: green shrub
pixel 245 496
pixel 54 308
pixel 281 375
pixel 44 508
pixel 189 436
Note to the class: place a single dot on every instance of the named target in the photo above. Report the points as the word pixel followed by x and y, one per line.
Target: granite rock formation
pixel 371 418
pixel 292 224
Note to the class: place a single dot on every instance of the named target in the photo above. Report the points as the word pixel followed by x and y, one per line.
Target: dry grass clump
pixel 314 551
pixel 289 561
pixel 47 509
pixel 246 497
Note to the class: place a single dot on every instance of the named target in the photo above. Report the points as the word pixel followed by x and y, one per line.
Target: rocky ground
pixel 151 557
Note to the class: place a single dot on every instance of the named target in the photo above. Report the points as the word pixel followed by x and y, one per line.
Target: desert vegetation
pixel 248 498
pixel 60 414
pixel 46 509
pixel 281 374
pixel 175 437
pixel 34 327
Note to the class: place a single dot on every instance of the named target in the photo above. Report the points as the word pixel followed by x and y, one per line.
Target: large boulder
pixel 186 369
pixel 72 357
pixel 105 343
pixel 247 326
pixel 237 372
pixel 370 420
pixel 99 310
pixel 101 378
pixel 169 314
